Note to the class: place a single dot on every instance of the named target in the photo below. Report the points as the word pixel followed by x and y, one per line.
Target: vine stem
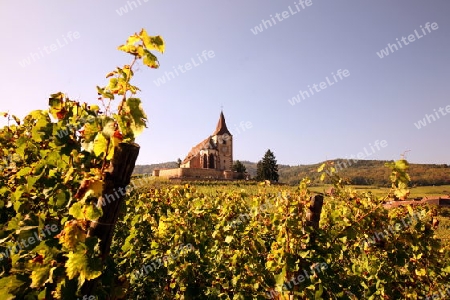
pixel 124 98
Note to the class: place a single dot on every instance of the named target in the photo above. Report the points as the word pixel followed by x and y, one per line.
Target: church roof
pixel 207 143
pixel 221 126
pixel 203 145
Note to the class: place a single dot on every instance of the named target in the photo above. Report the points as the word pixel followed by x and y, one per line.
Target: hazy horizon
pixel 310 164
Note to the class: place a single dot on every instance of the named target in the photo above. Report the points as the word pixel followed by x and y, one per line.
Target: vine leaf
pixel 280 279
pixel 78 264
pixel 76 211
pixel 101 147
pixel 108 129
pixel 95 188
pixel 9 286
pixel 319 292
pixel 56 103
pixel 152 42
pixel 133 108
pixel 40 276
pixel 93 213
pixel 133 39
pixel 150 60
pixel 421 272
pixel 72 234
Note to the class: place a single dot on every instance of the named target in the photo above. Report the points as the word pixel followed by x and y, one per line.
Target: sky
pixel 310 80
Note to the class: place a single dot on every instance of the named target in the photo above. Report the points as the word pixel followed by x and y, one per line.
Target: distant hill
pixel 369 172
pixel 148 169
pixel 363 172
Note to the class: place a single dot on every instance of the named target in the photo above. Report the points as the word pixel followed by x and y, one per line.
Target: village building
pixel 212 158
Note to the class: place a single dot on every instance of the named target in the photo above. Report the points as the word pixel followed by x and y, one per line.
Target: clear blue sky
pixel 252 76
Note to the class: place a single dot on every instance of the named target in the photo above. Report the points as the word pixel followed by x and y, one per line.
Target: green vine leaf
pixel 76 210
pixel 9 287
pixel 92 213
pixel 150 60
pixel 135 116
pixel 40 276
pixel 103 147
pixel 79 265
pixel 152 42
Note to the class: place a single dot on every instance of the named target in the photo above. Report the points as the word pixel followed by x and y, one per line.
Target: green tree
pixel 179 162
pixel 267 168
pixel 239 168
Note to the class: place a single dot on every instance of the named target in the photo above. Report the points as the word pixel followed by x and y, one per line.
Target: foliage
pixel 250 242
pixel 239 168
pixel 53 178
pixel 399 178
pixel 267 168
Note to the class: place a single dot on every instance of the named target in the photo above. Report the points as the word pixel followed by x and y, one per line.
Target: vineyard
pixel 73 225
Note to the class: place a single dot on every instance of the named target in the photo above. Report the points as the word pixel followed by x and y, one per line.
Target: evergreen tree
pixel 239 168
pixel 267 168
pixel 259 172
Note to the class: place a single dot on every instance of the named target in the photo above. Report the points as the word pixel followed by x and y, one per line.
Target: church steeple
pixel 221 126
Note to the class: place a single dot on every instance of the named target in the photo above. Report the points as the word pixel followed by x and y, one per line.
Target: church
pixel 212 158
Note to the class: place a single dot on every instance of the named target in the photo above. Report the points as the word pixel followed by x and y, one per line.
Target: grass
pixel 430 191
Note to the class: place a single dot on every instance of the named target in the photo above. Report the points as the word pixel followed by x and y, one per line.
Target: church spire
pixel 221 126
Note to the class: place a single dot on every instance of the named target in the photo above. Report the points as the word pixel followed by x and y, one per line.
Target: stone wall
pixel 189 173
pixel 195 162
pixel 170 173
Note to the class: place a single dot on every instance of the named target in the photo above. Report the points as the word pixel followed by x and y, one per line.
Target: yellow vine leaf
pixel 40 276
pixel 78 265
pixel 101 147
pixel 72 235
pixel 95 188
pixel 152 42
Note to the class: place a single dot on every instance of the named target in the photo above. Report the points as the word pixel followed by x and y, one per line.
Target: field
pixel 245 249
pixel 420 191
pixel 238 240
pixel 214 188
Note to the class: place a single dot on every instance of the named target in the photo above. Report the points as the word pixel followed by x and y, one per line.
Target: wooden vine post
pixel 312 220
pixel 315 209
pixel 123 163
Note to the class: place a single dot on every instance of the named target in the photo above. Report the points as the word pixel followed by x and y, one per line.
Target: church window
pixel 211 161
pixel 205 161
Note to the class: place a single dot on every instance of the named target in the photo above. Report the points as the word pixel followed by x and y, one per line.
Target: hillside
pixel 369 172
pixel 148 169
pixel 363 172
